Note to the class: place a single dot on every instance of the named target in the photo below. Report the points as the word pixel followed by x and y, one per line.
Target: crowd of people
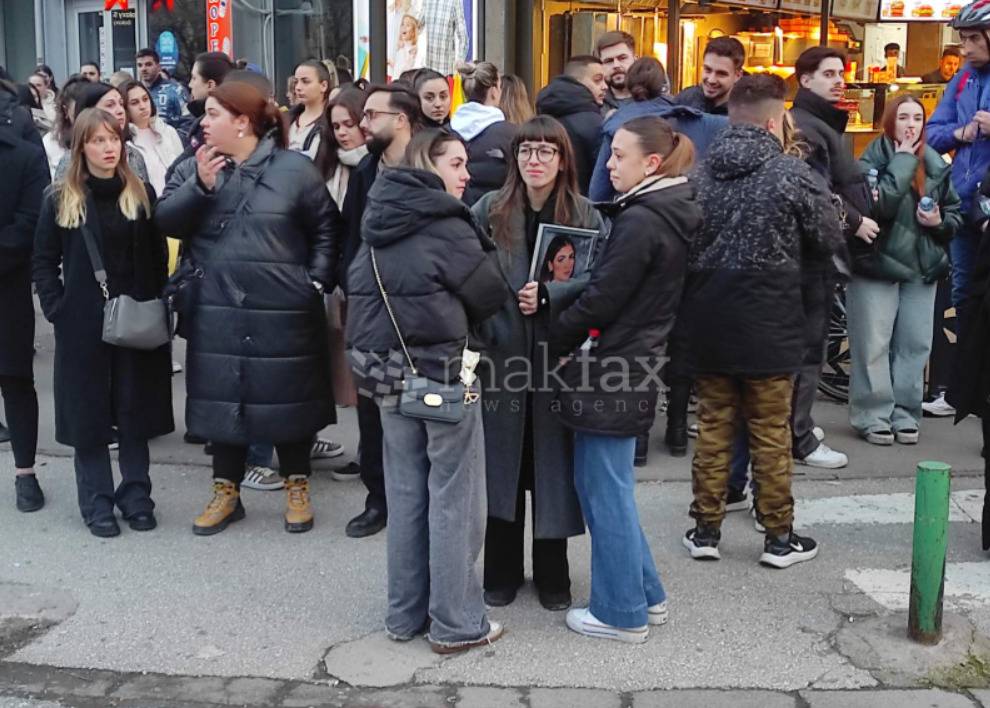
pixel 503 292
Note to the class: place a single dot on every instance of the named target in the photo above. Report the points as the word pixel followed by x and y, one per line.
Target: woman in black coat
pixel 22 185
pixel 610 389
pixel 256 221
pixel 98 386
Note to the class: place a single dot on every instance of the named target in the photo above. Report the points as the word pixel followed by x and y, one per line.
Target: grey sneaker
pixel 325 449
pixel 262 479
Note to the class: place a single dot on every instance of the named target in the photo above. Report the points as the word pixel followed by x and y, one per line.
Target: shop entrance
pixel 109 37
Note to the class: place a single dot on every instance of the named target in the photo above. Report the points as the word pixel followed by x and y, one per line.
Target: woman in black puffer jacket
pixel 439 275
pixel 256 221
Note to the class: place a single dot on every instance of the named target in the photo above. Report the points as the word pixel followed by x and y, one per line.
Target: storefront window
pixel 186 20
pixel 311 29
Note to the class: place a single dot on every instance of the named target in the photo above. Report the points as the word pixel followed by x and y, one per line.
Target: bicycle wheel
pixel 835 371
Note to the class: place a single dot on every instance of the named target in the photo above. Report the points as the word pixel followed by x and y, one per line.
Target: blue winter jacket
pixel 700 127
pixel 959 104
pixel 170 99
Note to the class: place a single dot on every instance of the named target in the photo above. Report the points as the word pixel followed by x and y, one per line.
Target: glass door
pixel 108 37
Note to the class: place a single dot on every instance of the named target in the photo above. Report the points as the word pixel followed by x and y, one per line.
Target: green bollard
pixel 931 524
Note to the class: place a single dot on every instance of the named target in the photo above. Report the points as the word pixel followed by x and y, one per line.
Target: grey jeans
pixel 890 338
pixel 435 484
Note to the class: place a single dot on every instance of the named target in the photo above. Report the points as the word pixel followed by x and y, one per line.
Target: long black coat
pixel 22 185
pixel 569 101
pixel 510 340
pixel 257 364
pixel 98 385
pixel 632 301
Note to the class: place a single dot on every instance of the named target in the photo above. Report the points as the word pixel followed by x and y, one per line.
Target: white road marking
pixel 967 585
pixel 965 506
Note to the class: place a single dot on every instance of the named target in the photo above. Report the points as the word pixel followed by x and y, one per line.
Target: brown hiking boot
pixel 298 511
pixel 224 509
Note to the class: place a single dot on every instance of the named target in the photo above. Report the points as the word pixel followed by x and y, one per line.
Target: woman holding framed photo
pixel 535 452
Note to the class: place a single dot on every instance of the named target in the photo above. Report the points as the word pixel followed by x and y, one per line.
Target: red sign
pixel 169 5
pixel 218 27
pixel 109 4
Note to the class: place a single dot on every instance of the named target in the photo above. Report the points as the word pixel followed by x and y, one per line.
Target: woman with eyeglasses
pixel 534 450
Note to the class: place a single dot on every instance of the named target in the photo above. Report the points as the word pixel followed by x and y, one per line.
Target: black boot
pixel 642 450
pixel 29 494
pixel 677 412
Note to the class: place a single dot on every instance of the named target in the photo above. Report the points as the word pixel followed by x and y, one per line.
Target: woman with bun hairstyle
pixel 482 126
pixel 256 221
pixel 532 450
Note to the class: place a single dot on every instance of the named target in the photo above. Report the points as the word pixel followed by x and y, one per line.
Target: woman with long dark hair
pixel 58 140
pixel 890 302
pixel 421 278
pixel 100 386
pixel 434 96
pixel 621 322
pixel 558 264
pixel 109 99
pixel 158 142
pixel 534 451
pixel 255 218
pixel 307 117
pixel 342 145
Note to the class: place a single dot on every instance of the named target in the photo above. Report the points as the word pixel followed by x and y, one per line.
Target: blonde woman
pixel 515 103
pixel 409 55
pixel 98 386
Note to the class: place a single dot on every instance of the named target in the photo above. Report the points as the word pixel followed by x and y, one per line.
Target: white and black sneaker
pixel 702 542
pixel 324 449
pixel 736 500
pixel 757 519
pixel 787 549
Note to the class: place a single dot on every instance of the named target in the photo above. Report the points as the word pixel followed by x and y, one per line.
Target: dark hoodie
pixel 569 101
pixel 763 211
pixel 16 118
pixel 435 268
pixel 632 300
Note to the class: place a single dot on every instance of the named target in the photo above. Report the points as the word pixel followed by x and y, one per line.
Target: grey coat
pixel 509 339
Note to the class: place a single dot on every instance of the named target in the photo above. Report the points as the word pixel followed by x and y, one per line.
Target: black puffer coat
pixel 632 300
pixel 22 186
pixel 570 102
pixel 694 97
pixel 258 367
pixel 763 211
pixel 439 272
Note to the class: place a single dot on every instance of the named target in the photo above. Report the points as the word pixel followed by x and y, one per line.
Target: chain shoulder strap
pixel 391 315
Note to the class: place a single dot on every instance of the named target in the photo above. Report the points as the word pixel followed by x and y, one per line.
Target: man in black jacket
pixel 722 67
pixel 617 50
pixel 819 72
pixel 391 117
pixel 575 99
pixel 763 210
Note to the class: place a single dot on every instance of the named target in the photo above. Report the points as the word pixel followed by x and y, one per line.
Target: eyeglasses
pixel 543 153
pixel 372 114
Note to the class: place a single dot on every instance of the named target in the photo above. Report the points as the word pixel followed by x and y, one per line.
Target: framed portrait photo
pixel 562 253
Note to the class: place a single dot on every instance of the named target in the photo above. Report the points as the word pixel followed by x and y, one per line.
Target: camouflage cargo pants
pixel 765 404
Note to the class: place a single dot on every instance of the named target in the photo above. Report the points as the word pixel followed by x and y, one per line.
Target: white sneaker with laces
pixel 819 433
pixel 581 620
pixel 325 449
pixel 825 458
pixel 658 614
pixel 262 479
pixel 938 408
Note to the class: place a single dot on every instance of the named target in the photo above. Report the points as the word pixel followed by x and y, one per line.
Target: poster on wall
pixel 920 10
pixel 218 27
pixel 433 34
pixel 856 9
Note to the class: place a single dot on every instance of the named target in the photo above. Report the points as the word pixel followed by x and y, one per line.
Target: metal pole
pixel 823 27
pixel 931 523
pixel 378 41
pixel 673 45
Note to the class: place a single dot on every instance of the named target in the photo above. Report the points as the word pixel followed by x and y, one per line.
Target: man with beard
pixel 391 118
pixel 722 67
pixel 617 50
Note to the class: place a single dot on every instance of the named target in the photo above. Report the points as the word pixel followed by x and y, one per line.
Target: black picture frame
pixel 583 242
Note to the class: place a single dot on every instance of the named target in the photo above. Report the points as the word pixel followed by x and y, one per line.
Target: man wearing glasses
pixel 391 117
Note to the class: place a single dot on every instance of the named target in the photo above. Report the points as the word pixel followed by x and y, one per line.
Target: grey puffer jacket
pixel 764 211
pixel 257 363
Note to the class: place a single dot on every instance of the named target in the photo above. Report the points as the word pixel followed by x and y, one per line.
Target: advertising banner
pixel 920 10
pixel 218 27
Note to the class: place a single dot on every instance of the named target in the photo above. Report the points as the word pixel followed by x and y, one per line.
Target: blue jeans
pixel 963 250
pixel 437 501
pixel 740 459
pixel 260 455
pixel 624 580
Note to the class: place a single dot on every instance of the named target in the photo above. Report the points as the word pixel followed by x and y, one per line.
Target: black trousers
pixel 504 540
pixel 20 402
pixel 229 461
pixel 94 481
pixel 372 462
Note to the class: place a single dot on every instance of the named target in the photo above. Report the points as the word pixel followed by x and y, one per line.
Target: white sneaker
pixel 176 367
pixel 909 436
pixel 262 479
pixel 825 458
pixel 325 449
pixel 819 433
pixel 693 430
pixel 581 620
pixel 658 614
pixel 938 408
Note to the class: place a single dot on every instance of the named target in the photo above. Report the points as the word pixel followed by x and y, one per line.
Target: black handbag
pixel 422 397
pixel 127 322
